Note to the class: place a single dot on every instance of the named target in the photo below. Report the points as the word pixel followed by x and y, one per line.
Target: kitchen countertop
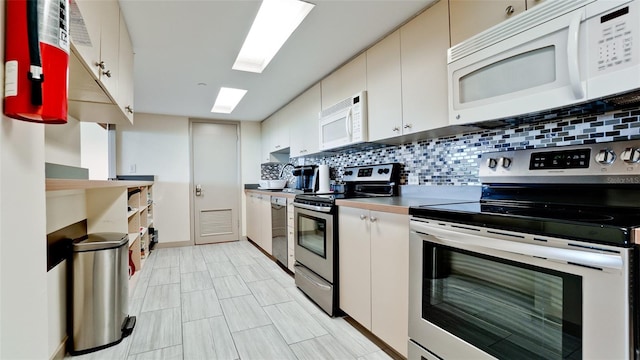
pixel 271 192
pixel 394 204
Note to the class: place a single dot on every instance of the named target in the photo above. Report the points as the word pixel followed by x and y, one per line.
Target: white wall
pixel 250 156
pixel 62 143
pixel 23 256
pixel 159 145
pixel 94 154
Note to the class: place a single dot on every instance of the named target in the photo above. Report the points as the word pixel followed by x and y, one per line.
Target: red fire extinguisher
pixel 36 60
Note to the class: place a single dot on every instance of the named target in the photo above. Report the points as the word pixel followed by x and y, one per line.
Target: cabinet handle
pixel 107 73
pixel 373 219
pixel 396 129
pixel 509 10
pixel 128 109
pixel 407 126
pixel 363 217
pixel 100 64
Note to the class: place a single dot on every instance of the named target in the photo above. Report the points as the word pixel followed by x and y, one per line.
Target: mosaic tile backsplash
pixel 454 160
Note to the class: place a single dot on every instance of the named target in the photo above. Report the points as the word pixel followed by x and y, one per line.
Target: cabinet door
pixel 125 80
pixel 280 129
pixel 266 130
pixel 305 123
pixel 384 88
pixel 424 42
pixel 87 44
pixel 469 17
pixel 109 46
pixel 253 217
pixel 390 278
pixel 345 82
pixel 355 264
pixel 265 223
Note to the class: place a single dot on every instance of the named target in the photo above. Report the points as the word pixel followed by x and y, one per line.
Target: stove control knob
pixel 605 157
pixel 492 163
pixel 380 171
pixel 631 155
pixel 505 162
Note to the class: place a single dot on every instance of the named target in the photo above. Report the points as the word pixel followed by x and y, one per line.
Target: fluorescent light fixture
pixel 227 100
pixel 275 22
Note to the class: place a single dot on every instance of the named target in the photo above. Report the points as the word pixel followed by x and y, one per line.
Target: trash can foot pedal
pixel 127 327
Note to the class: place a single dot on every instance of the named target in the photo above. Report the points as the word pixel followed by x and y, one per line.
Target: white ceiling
pixel 178 44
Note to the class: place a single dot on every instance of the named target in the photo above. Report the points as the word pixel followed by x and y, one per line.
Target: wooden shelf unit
pixel 109 208
pixel 138 223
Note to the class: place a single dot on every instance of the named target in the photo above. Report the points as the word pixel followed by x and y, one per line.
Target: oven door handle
pixel 464 240
pixel 324 209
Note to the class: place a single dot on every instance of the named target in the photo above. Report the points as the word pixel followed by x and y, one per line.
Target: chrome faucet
pixel 284 167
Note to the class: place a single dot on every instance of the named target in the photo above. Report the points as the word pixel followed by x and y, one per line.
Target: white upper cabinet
pixel 87 43
pixel 266 131
pixel 348 80
pixel 279 140
pixel 423 51
pixel 108 68
pixel 469 17
pixel 125 62
pixel 101 64
pixel 275 137
pixel 304 123
pixel 384 88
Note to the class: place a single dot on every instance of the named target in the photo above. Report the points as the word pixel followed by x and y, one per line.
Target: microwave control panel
pixel 612 35
pixel 356 120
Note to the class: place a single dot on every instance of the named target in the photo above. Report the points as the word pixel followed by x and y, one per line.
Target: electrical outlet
pixel 132 168
pixel 413 179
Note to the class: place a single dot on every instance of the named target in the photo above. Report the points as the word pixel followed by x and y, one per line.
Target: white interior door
pixel 216 182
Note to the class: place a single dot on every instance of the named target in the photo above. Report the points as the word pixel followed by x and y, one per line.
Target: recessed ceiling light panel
pixel 275 22
pixel 227 100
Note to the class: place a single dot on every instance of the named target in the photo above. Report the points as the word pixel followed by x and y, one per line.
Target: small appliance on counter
pixel 306 178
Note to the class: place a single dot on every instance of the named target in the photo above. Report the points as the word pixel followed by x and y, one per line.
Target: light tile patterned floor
pixel 229 301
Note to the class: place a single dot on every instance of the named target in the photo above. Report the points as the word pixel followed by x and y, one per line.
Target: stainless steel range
pixel 544 266
pixel 316 232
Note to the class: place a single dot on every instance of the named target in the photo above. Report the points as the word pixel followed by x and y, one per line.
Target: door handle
pixel 198 190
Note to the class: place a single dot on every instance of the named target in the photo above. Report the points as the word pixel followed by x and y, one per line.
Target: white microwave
pixel 557 54
pixel 344 123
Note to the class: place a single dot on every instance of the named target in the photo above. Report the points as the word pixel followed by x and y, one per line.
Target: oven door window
pixel 312 234
pixel 507 309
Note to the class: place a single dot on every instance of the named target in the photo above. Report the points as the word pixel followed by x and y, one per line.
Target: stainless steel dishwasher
pixel 279 229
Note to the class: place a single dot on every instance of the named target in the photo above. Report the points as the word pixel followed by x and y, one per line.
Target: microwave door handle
pixel 573 55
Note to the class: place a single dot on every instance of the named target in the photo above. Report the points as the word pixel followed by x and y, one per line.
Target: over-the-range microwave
pixel 344 123
pixel 558 54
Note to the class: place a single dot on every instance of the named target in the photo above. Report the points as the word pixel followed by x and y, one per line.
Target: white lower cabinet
pixel 253 216
pixel 291 258
pixel 265 224
pixel 259 220
pixel 374 272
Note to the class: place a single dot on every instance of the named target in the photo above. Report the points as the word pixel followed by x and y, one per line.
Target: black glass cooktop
pixel 607 225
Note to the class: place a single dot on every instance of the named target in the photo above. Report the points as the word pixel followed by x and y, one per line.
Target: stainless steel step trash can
pixel 99 292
